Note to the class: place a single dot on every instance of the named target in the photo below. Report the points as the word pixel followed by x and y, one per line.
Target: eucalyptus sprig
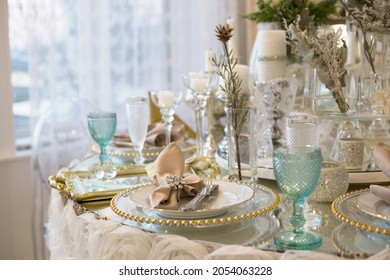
pixel 231 86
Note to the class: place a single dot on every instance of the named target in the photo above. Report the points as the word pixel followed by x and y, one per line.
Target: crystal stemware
pixel 297 171
pixel 200 84
pixel 137 112
pixel 167 101
pixel 102 126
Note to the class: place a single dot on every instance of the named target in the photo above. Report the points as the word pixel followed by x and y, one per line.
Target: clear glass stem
pixel 103 157
pixel 297 219
pixel 167 117
pixel 139 159
pixel 199 116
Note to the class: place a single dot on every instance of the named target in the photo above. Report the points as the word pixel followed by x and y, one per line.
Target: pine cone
pixel 224 32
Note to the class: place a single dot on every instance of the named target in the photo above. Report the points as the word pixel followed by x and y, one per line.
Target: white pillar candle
pixel 232 43
pixel 198 85
pixel 208 56
pixel 243 73
pixel 271 60
pixel 165 99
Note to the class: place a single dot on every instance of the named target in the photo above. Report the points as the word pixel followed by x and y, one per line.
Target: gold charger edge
pixel 195 222
pixel 352 222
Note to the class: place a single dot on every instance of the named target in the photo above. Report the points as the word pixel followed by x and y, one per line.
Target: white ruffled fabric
pixel 86 237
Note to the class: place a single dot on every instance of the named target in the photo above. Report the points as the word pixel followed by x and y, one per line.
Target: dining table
pixel 89 219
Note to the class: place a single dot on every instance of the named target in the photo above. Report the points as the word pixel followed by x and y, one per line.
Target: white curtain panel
pixel 106 50
pixel 94 54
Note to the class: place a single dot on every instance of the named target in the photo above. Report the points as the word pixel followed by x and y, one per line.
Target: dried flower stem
pixel 232 87
pixel 367 46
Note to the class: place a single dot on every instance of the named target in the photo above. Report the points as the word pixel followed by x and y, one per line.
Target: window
pixel 103 51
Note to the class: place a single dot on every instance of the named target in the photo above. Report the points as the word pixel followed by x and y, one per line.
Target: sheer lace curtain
pixel 104 51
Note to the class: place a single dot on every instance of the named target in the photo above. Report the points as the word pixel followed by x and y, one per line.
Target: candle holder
pixel 167 101
pixel 200 84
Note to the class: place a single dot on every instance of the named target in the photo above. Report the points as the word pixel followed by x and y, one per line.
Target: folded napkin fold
pixel 155 136
pixel 171 180
pixel 382 159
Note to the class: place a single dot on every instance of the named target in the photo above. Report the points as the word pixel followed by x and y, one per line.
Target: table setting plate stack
pixel 237 212
pixel 366 223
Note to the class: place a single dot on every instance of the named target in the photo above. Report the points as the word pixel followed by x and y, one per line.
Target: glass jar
pixel 241 153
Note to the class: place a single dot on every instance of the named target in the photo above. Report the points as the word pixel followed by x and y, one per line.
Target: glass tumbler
pixel 301 130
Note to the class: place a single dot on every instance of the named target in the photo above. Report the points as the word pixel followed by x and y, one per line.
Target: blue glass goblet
pixel 102 126
pixel 297 171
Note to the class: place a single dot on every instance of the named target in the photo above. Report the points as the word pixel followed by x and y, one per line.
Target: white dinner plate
pixel 373 205
pixel 228 194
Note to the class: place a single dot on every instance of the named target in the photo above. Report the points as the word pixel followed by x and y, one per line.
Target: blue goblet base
pixel 305 240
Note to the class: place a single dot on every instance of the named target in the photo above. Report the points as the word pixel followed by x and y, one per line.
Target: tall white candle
pixel 208 56
pixel 232 43
pixel 272 50
pixel 198 85
pixel 165 99
pixel 243 73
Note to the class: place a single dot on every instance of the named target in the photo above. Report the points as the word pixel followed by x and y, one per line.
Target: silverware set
pixel 194 203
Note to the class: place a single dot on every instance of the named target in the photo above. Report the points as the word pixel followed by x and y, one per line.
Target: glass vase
pixel 241 144
pixel 320 101
pixel 373 70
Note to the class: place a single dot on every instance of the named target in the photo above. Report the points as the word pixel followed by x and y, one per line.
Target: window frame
pixel 7 133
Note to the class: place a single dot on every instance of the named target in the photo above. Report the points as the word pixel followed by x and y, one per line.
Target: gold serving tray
pixel 69 183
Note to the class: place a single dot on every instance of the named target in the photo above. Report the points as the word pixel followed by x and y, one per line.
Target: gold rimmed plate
pixel 228 195
pixel 262 201
pixel 373 205
pixel 345 208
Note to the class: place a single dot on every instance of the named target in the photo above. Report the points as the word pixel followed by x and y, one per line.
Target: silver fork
pixel 194 203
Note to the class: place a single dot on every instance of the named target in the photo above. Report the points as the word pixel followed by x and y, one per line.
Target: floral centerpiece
pixel 288 10
pixel 326 52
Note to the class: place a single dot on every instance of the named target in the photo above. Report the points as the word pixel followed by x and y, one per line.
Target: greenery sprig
pixel 288 10
pixel 231 86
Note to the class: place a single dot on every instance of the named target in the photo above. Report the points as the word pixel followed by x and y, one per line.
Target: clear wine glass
pixel 167 101
pixel 102 127
pixel 137 112
pixel 200 84
pixel 297 171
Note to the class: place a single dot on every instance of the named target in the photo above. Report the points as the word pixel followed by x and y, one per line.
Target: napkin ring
pixel 175 182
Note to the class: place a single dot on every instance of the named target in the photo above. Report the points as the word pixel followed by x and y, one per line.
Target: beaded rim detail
pixel 353 222
pixel 194 222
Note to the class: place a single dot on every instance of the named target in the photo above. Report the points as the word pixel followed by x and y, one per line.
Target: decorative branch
pixel 322 52
pixel 231 87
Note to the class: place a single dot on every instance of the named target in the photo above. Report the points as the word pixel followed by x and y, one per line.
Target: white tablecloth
pixel 88 236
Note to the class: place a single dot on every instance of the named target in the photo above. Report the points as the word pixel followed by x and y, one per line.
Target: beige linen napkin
pixel 171 181
pixel 155 136
pixel 382 159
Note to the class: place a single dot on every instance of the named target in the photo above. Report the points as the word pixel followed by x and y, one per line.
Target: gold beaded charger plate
pixel 262 201
pixel 124 154
pixel 353 242
pixel 373 205
pixel 345 208
pixel 247 223
pixel 227 195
